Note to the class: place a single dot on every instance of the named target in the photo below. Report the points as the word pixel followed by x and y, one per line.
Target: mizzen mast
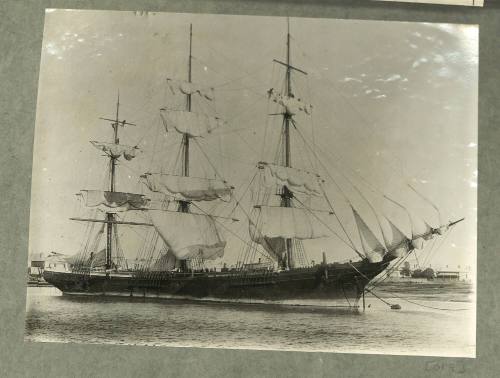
pixel 110 217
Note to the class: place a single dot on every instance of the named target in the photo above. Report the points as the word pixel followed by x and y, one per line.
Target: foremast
pixel 286 196
pixel 286 193
pixel 365 220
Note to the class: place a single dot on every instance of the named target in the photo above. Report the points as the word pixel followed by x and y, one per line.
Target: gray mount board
pixel 20 41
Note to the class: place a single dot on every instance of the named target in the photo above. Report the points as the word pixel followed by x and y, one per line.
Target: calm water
pixel 412 330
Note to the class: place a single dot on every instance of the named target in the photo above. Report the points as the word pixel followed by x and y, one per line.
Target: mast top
pixel 190 49
pixel 290 66
pixel 123 123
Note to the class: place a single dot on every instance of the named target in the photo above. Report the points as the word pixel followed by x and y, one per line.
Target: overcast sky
pixel 395 102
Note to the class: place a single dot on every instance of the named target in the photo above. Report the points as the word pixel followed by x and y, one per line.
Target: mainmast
pixel 287 99
pixel 286 116
pixel 184 205
pixel 287 195
pixel 110 217
pixel 190 236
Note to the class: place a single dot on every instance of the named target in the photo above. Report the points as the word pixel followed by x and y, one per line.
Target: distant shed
pixel 448 275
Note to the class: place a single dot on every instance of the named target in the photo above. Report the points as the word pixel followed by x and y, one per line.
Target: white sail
pixel 165 262
pixel 291 104
pixel 398 217
pixel 374 250
pixel 392 235
pixel 395 240
pixel 290 222
pixel 364 209
pixel 296 180
pixel 402 222
pixel 356 232
pixel 187 188
pixel 345 215
pixel 116 150
pixel 191 123
pixel 419 209
pixel 274 246
pixel 189 235
pixel 393 219
pixel 381 222
pixel 187 88
pixel 419 226
pixel 117 201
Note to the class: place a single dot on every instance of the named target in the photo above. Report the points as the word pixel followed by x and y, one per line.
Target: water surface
pixel 445 327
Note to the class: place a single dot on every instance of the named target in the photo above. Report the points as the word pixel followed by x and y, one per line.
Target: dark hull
pixel 344 282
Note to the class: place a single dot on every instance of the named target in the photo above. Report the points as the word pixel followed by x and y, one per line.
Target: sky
pixel 394 102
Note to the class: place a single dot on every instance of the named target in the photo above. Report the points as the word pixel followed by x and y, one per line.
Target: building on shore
pixel 443 273
pixel 454 274
pixel 40 261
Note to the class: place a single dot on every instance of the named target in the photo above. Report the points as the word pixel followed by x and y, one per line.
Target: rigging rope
pixel 424 263
pixel 268 104
pixel 427 306
pixel 237 202
pixel 224 226
pixel 336 216
pixel 335 233
pixel 356 189
pixel 218 86
pixel 208 160
pixel 363 119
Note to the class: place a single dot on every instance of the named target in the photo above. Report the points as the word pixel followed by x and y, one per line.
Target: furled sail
pixel 187 188
pixel 187 88
pixel 295 179
pixel 189 235
pixel 291 104
pixel 116 150
pixel 117 201
pixel 193 124
pixel 290 222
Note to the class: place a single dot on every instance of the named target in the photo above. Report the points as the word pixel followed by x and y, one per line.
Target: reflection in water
pixel 122 320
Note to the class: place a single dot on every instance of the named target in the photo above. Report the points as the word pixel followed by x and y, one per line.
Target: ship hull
pixel 342 283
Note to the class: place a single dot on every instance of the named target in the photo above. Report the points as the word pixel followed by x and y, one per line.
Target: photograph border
pixel 20 43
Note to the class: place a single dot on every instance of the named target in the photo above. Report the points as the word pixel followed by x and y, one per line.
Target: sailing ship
pixel 183 236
